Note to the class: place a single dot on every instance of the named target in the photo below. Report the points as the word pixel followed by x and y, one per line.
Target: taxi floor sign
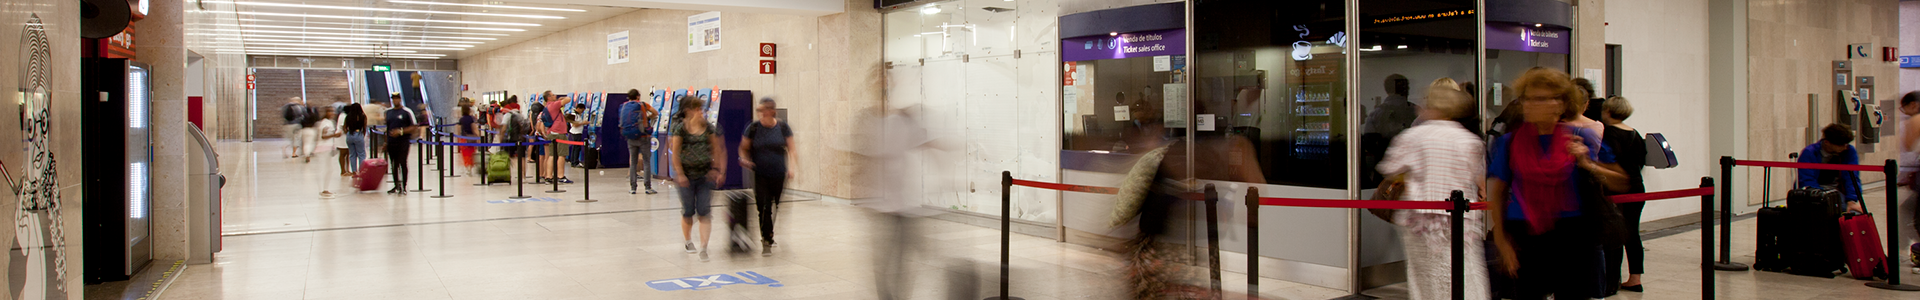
pixel 708 282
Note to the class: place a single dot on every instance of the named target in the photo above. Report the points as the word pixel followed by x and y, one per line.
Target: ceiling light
pixel 338 55
pixel 1400 47
pixel 1371 49
pixel 1113 34
pixel 331 50
pixel 354 39
pixel 383 18
pixel 372 35
pixel 356 46
pixel 293 5
pixel 253 51
pixel 930 9
pixel 1537 25
pixel 493 6
pixel 374 30
pixel 350 43
pixel 385 25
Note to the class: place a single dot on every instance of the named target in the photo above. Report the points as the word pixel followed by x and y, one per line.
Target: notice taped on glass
pixel 703 32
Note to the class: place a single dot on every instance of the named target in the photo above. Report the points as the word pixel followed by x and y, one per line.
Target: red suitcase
pixel 1865 257
pixel 372 171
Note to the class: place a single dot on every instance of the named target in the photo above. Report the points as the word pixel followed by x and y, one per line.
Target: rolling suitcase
pixel 1772 241
pixel 1861 241
pixel 1813 244
pixel 372 171
pixel 740 239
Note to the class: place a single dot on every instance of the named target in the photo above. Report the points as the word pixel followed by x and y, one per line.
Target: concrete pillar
pixel 162 45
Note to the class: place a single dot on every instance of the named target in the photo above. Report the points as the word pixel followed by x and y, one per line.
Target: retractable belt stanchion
pixel 1213 238
pixel 559 168
pixel 520 187
pixel 420 178
pixel 1006 202
pixel 1726 220
pixel 448 148
pixel 443 170
pixel 1459 217
pixel 586 183
pixel 484 163
pixel 1253 243
pixel 1707 265
pixel 1892 263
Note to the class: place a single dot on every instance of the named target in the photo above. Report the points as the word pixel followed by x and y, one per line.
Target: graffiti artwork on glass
pixel 38 261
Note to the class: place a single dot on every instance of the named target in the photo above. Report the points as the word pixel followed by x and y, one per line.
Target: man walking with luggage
pixel 636 125
pixel 1835 147
pixel 294 112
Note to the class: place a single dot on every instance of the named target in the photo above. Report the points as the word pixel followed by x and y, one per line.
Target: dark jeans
pixel 397 161
pixel 638 158
pixel 766 194
pixel 1635 255
pixel 1563 262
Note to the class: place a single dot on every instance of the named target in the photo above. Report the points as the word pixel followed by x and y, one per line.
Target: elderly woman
pixel 1439 156
pixel 1547 242
pixel 1632 150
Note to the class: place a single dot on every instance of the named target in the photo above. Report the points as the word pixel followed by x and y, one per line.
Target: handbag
pixel 1393 188
pixel 1593 202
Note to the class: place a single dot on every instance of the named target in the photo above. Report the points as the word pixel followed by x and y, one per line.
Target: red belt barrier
pixel 1643 197
pixel 1801 165
pixel 570 142
pixel 1368 204
pixel 1068 187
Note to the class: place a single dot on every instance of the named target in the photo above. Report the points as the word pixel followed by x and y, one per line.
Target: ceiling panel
pixel 445 29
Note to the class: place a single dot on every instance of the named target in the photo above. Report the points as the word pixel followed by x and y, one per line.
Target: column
pixel 162 45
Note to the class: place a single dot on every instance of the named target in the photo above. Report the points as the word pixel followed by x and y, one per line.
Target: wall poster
pixel 703 32
pixel 38 262
pixel 617 48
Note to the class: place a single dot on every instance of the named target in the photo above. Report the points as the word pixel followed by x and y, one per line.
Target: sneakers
pixel 770 244
pixel 766 250
pixel 690 248
pixel 650 192
pixel 564 180
pixel 631 191
pixel 703 256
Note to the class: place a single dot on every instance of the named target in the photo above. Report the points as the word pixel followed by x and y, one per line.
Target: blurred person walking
pixel 767 149
pixel 468 125
pixel 308 135
pixel 1436 157
pixel 294 112
pixel 1630 148
pixel 636 125
pixel 694 145
pixel 1542 183
pixel 1909 164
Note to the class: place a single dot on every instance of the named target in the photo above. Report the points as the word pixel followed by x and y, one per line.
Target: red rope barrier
pixel 1368 204
pixel 1801 165
pixel 1642 197
pixel 570 142
pixel 1067 187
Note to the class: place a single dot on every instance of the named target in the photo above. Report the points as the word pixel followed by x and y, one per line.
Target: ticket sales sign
pixel 1125 45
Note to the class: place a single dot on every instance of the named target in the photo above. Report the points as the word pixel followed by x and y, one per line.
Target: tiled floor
pixel 295 245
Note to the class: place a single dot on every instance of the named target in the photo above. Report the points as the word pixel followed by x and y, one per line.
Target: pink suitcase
pixel 1865 257
pixel 372 171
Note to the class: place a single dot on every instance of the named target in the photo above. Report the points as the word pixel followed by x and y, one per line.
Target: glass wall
pixel 979 74
pixel 1273 74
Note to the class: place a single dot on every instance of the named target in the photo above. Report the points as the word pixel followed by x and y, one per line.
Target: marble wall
pixel 1663 74
pixel 828 73
pixel 1791 46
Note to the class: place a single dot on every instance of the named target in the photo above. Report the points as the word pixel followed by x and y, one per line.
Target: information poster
pixel 1174 110
pixel 617 48
pixel 703 32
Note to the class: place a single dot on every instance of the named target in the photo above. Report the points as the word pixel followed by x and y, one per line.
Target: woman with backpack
pixel 695 144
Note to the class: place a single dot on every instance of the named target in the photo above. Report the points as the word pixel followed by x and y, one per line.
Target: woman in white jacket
pixel 1438 156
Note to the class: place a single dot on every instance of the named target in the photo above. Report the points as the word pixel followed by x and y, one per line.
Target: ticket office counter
pixel 1273 100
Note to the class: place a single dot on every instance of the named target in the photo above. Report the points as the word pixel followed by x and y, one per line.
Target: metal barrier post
pixel 1006 202
pixel 1726 219
pixel 586 182
pixel 1213 239
pixel 1892 263
pixel 447 149
pixel 1707 265
pixel 1253 243
pixel 443 171
pixel 520 189
pixel 559 169
pixel 484 163
pixel 420 177
pixel 1459 218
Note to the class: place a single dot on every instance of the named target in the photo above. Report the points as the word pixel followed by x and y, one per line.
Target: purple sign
pixel 1125 45
pixel 1517 37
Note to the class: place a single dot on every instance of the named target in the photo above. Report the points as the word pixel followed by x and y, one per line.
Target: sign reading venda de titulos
pixel 1529 38
pixel 1124 45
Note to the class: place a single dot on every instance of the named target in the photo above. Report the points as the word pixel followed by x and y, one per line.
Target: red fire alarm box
pixel 768 50
pixel 1889 54
pixel 767 66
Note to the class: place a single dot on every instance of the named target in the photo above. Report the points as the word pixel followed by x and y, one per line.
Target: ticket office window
pixel 1271 78
pixel 1404 50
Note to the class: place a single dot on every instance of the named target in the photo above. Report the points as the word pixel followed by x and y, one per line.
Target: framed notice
pixel 617 48
pixel 703 32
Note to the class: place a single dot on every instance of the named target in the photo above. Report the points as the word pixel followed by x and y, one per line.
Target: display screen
pixel 139 153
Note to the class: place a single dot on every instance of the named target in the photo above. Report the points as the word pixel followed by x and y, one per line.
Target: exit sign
pixel 382 67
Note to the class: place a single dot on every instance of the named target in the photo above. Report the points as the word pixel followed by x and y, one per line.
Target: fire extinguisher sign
pixel 768 66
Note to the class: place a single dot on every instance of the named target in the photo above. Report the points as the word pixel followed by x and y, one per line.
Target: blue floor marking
pixel 708 282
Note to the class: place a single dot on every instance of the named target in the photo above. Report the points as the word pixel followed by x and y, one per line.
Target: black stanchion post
pixel 520 189
pixel 1707 265
pixel 447 149
pixel 586 183
pixel 1006 202
pixel 1213 238
pixel 443 171
pixel 1459 215
pixel 1892 263
pixel 559 170
pixel 420 178
pixel 1726 218
pixel 484 139
pixel 1253 243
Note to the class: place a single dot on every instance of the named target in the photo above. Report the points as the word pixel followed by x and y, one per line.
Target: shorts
pixel 696 198
pixel 556 148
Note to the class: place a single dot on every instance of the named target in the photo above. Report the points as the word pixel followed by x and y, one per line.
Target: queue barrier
pixel 1457 205
pixel 1892 215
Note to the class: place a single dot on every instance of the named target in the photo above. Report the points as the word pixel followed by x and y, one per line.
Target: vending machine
pixel 117 176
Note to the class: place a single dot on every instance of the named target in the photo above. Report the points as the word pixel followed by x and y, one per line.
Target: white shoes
pixel 691 249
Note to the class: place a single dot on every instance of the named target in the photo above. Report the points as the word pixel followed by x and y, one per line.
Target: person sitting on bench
pixel 1835 147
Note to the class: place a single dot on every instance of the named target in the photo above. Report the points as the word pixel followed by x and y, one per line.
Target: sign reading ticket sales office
pixel 703 32
pixel 1517 37
pixel 1125 45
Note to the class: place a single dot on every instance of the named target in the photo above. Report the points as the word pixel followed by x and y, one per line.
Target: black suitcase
pixel 740 238
pixel 1813 245
pixel 1772 241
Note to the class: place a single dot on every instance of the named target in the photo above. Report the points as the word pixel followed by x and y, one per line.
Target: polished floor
pixel 286 242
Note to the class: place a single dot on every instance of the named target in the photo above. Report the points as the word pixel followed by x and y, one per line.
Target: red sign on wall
pixel 768 49
pixel 767 66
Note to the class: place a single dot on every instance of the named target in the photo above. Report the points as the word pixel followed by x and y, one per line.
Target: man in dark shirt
pixel 1835 147
pixel 401 127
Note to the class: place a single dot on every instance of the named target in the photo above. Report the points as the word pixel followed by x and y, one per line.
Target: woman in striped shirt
pixel 1439 156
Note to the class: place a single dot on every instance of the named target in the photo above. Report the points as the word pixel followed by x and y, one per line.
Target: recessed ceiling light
pixel 493 6
pixel 335 55
pixel 373 35
pixel 348 46
pixel 384 19
pixel 361 53
pixel 383 25
pixel 329 50
pixel 372 30
pixel 1400 47
pixel 354 39
pixel 294 5
pixel 930 9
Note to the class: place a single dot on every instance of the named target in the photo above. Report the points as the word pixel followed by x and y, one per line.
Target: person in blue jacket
pixel 1835 147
